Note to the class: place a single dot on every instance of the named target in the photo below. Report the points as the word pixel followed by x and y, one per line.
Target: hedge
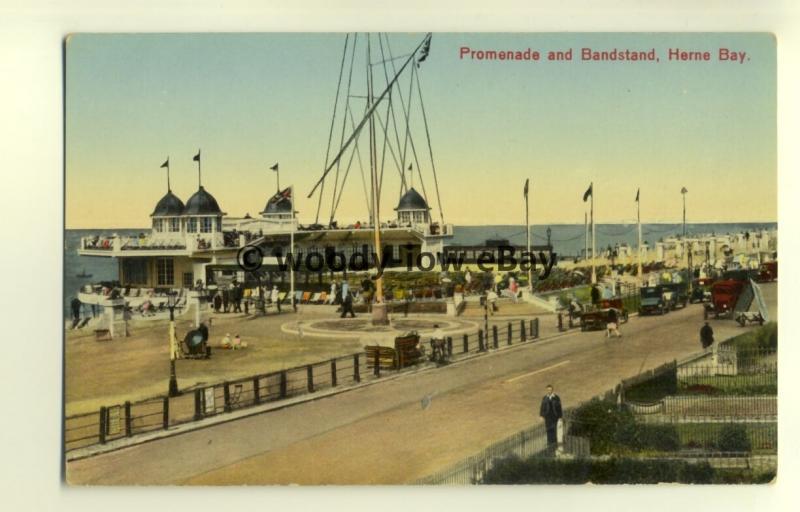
pixel 534 470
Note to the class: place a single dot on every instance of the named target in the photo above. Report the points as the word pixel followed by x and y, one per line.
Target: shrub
pixel 661 385
pixel 604 424
pixel 733 438
pixel 663 438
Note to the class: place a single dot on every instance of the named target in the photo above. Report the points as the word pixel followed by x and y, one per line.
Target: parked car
pixel 655 299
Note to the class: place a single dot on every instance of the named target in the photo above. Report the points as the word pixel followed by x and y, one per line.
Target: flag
pixel 274 167
pixel 426 49
pixel 165 164
pixel 197 156
pixel 525 192
pixel 588 192
pixel 683 190
pixel 637 195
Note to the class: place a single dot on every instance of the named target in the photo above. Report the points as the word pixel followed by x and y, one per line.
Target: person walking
pixel 706 336
pixel 551 412
pixel 75 305
pixel 332 294
pixel 612 325
pixel 274 297
pixel 347 301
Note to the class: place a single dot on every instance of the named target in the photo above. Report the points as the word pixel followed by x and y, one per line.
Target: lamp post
pixel 173 346
pixel 688 255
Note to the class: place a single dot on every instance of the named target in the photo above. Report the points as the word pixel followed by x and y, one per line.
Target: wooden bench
pixel 404 353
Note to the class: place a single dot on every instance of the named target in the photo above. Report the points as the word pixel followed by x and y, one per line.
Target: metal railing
pixel 161 413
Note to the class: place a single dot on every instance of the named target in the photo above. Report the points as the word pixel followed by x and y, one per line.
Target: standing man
pixel 550 410
pixel 347 301
pixel 595 294
pixel 274 297
pixel 706 336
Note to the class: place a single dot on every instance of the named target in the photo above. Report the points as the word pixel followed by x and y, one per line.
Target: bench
pixel 404 353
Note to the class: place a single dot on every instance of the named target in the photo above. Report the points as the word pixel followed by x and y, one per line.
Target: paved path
pixel 382 435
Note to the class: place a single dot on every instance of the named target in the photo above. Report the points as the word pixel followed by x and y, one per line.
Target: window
pixel 205 224
pixel 157 225
pixel 188 279
pixel 191 225
pixel 175 225
pixel 219 225
pixel 134 270
pixel 165 272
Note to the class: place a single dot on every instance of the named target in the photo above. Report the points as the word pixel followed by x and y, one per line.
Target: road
pixel 381 434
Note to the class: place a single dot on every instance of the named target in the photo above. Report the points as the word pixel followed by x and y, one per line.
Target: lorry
pixel 724 296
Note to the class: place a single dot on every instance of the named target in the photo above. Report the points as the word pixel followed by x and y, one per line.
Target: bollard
pixel 522 336
pixel 283 384
pixel 536 324
pixel 333 373
pixel 510 333
pixel 560 323
pixel 198 405
pixel 466 343
pixel 256 391
pixel 495 343
pixel 165 417
pixel 226 395
pixel 103 417
pixel 377 364
pixel 480 340
pixel 310 378
pixel 356 371
pixel 128 420
pixel 449 346
pixel 533 336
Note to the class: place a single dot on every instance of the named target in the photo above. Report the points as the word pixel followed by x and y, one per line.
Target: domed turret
pixel 202 203
pixel 169 206
pixel 279 206
pixel 412 208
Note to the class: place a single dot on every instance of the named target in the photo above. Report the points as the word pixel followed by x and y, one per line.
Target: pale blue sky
pixel 250 100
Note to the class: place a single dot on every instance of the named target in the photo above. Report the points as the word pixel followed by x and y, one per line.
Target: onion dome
pixel 168 206
pixel 280 203
pixel 202 203
pixel 411 200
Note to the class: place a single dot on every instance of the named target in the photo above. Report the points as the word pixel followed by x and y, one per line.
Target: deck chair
pixel 323 298
pixel 282 297
pixel 298 295
pixel 399 294
pixel 305 298
pixel 314 298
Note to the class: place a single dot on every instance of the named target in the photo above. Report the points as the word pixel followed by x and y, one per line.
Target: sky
pixel 251 100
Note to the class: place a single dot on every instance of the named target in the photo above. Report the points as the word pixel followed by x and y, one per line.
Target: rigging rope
pixel 430 151
pixel 333 122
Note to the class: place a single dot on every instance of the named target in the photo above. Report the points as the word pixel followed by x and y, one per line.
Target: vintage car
pixel 701 290
pixel 724 295
pixel 594 319
pixel 655 299
pixel 679 294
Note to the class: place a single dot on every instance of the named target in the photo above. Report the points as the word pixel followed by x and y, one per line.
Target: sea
pixel 567 240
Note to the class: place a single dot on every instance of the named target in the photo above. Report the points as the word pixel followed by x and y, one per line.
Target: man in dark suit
pixel 550 410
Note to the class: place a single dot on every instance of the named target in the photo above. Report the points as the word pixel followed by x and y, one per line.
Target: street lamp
pixel 173 345
pixel 688 255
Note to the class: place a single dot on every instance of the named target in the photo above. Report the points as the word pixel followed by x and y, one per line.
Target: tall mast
pixel 594 232
pixel 639 229
pixel 376 192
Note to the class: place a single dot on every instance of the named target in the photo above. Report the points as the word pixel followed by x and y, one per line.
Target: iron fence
pixel 114 422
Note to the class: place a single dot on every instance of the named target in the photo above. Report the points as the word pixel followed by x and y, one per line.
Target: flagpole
pixel 585 235
pixel 528 236
pixel 594 232
pixel 169 188
pixel 639 229
pixel 291 249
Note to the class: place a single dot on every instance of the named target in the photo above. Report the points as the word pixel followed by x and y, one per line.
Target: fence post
pixel 377 363
pixel 510 332
pixel 226 395
pixel 522 336
pixel 333 373
pixel 103 417
pixel 495 343
pixel 356 370
pixel 256 391
pixel 128 420
pixel 466 343
pixel 310 378
pixel 449 346
pixel 535 324
pixel 480 340
pixel 165 418
pixel 283 384
pixel 198 404
pixel 560 323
